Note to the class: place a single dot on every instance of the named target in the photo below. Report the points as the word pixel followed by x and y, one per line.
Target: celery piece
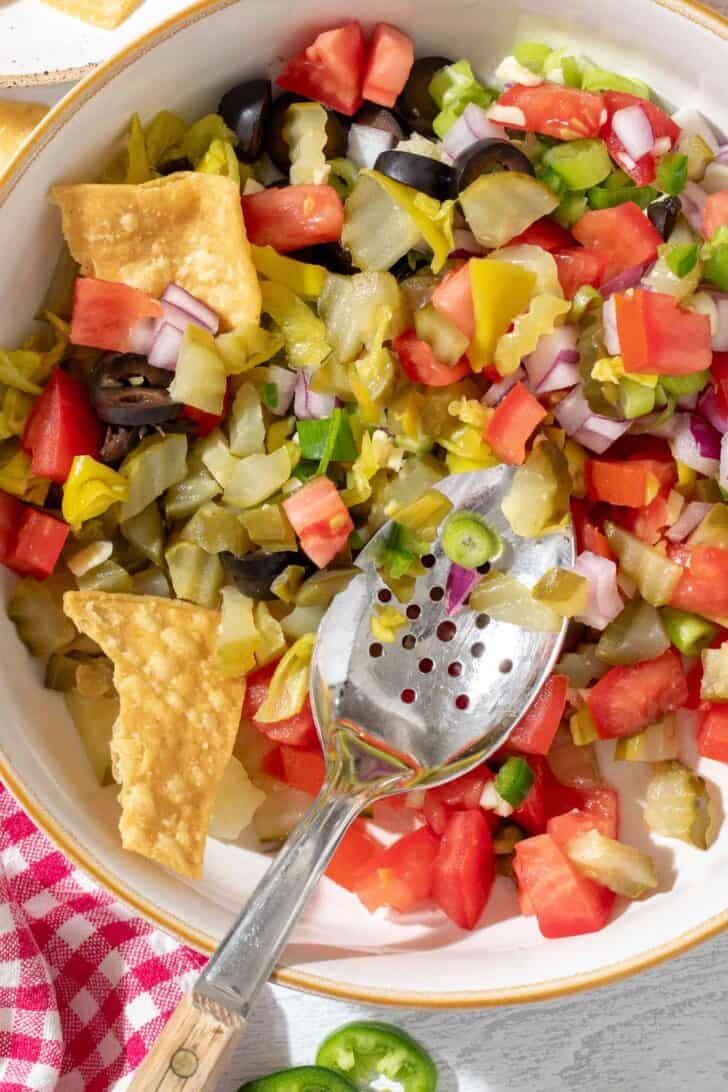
pixel 714 685
pixel 570 209
pixel 397 553
pixel 304 278
pixel 217 458
pixel 157 463
pixel 268 527
pixel 689 633
pixel 236 802
pixel 571 72
pixel 654 574
pixel 245 347
pixel 636 634
pixel 343 177
pixel 216 530
pixel 657 743
pixel 246 430
pixel 288 688
pixel 152 581
pixel 304 131
pixel 532 55
pixel 109 577
pixel 378 231
pixel 37 612
pixel 502 205
pixel 635 399
pixel 257 477
pixel 321 588
pixel 677 805
pixel 195 574
pixel 200 379
pixel 603 197
pixel 237 635
pixel 272 639
pixel 447 341
pixel 599 79
pixel 304 334
pixel 144 531
pixel 508 600
pixel 563 591
pixel 582 727
pixel 581 164
pixel 623 869
pixel 94 719
pixel 60 672
pixel 538 500
pixel 453 88
pixel 302 620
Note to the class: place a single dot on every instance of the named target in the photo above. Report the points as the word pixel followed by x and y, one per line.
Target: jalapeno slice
pixel 366 1050
pixel 306 1078
pixel 468 541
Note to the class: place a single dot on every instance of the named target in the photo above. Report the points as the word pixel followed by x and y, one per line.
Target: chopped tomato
pixel 713 732
pixel 566 903
pixel 320 519
pixel 420 364
pixel 11 511
pixel 302 770
pixel 703 587
pixel 298 731
pixel 535 731
pixel 658 336
pixel 719 369
pixel 464 868
pixel 353 856
pixel 453 298
pixel 641 172
pixel 292 217
pixel 562 112
pixel 649 522
pixel 109 315
pixel 523 900
pixel 627 699
pixel 577 266
pixel 546 797
pixel 632 484
pixel 401 876
pixel 715 213
pixel 515 418
pixel 562 828
pixel 588 535
pixel 623 236
pixel 462 794
pixel 545 233
pixel 330 70
pixel 61 426
pixel 598 810
pixel 38 544
pixel 389 63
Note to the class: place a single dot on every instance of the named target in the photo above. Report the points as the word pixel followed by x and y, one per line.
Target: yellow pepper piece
pixel 501 291
pixel 91 488
pixel 686 478
pixel 16 475
pixel 433 219
pixel 610 369
pixel 541 318
pixel 385 622
pixel 289 686
pixel 303 279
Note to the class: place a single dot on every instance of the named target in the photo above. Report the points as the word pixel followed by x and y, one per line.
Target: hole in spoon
pixel 428 561
pixel 446 631
pixel 375 650
pixel 455 670
pixel 408 696
pixel 482 621
pixel 413 612
pixel 384 595
pixel 436 594
pixel 426 665
pixel 408 641
pixel 505 666
pixel 477 650
pixel 462 701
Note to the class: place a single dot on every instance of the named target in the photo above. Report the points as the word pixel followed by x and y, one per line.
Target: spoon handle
pixel 193 1049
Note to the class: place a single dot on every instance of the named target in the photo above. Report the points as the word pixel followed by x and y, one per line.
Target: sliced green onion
pixel 468 541
pixel 329 437
pixel 689 633
pixel 514 780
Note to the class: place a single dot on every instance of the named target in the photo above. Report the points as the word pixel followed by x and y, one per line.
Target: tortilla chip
pixel 17 121
pixel 178 722
pixel 187 228
pixel 102 13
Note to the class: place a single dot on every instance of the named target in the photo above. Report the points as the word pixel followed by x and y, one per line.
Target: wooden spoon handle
pixel 192 1051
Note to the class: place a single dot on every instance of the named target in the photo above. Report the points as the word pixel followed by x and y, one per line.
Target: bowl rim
pixel 694 12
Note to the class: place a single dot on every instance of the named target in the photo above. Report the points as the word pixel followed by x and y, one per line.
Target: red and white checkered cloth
pixel 85 986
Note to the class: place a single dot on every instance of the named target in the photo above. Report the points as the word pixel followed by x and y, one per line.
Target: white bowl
pixel 338 949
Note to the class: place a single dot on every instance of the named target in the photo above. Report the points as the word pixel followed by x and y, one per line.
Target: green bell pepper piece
pixel 514 780
pixel 672 173
pixel 689 633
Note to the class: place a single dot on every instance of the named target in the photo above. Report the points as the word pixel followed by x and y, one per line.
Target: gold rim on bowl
pixel 689 9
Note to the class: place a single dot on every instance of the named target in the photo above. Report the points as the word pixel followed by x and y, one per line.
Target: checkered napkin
pixel 85 986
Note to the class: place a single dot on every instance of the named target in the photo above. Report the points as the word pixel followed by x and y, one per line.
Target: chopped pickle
pixel 320 589
pixel 654 574
pixel 623 869
pixel 157 463
pixel 110 577
pixel 200 378
pixel 237 635
pixel 637 633
pixel 500 206
pixel 303 332
pixel 385 623
pixel 378 231
pixel 678 805
pixel 94 719
pixel 352 308
pixel 95 679
pixel 304 131
pixel 424 515
pixel 286 584
pixel 195 574
pixel 447 341
pixel 257 477
pixel 152 581
pixel 582 727
pixel 37 611
pixel 565 592
pixel 268 527
pixel 183 500
pixel 538 500
pixel 217 530
pixel 689 633
pixel 144 531
pixel 302 620
pixel 657 743
pixel 714 686
pixel 713 529
pixel 288 688
pixel 246 430
pixel 582 667
pixel 60 672
pixel 272 638
pixel 508 600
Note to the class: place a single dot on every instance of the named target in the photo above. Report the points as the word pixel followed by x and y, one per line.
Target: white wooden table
pixel 661 1031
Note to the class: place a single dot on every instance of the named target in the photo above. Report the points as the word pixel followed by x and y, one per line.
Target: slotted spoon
pixel 418 712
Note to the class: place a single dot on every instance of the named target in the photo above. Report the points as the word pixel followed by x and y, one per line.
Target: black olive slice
pixel 378 117
pixel 415 105
pixel 418 171
pixel 663 215
pixel 134 405
pixel 485 156
pixel 245 109
pixel 114 368
pixel 118 442
pixel 277 147
pixel 255 572
pixel 331 256
pixel 173 165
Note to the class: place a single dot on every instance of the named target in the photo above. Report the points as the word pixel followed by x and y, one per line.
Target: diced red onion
pixel 687 401
pixel 713 412
pixel 589 429
pixel 309 404
pixel 499 390
pixel 692 200
pixel 466 244
pixel 691 515
pixel 175 316
pixel 649 425
pixel 723 470
pixel 472 125
pixel 141 336
pixel 628 278
pixel 632 127
pixel 553 364
pixel 367 143
pixel 460 583
pixel 285 381
pixel 605 602
pixel 721 155
pixel 180 297
pixel 697 444
pixel 609 323
pixel 165 349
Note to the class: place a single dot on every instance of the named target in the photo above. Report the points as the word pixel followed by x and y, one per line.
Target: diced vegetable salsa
pixel 281 326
